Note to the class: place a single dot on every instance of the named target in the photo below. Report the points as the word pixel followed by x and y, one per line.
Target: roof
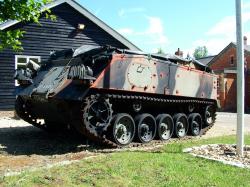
pixel 232 44
pixel 85 13
pixel 247 48
pixel 205 60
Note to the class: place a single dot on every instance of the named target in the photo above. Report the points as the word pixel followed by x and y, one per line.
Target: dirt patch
pixel 9 114
pixel 21 163
pixel 23 146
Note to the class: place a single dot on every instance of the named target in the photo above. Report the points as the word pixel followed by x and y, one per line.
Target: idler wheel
pixel 181 125
pixel 165 126
pixel 123 129
pixel 209 115
pixel 195 123
pixel 146 127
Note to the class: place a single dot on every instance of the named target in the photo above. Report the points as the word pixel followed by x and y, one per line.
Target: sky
pixel 172 24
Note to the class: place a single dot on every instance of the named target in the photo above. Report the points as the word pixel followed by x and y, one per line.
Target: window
pixel 22 60
pixel 231 60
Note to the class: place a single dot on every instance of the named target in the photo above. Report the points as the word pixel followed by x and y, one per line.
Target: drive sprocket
pixel 97 114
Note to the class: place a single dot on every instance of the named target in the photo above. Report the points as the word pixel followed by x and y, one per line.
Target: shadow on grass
pixel 31 140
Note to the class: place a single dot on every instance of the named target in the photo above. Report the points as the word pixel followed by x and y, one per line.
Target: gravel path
pixel 24 146
pixel 224 153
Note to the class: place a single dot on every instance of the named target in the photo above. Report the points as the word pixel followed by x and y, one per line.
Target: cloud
pixel 124 12
pixel 246 5
pixel 224 26
pixel 214 45
pixel 126 31
pixel 227 26
pixel 155 31
pixel 151 38
pixel 155 25
pixel 220 35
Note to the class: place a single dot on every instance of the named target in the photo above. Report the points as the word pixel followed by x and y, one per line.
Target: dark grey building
pixel 74 26
pixel 206 60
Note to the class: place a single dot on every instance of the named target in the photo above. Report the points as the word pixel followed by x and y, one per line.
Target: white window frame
pixel 27 60
pixel 27 57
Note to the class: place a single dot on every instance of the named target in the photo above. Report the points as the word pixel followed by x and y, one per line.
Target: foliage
pixel 188 57
pixel 160 51
pixel 200 51
pixel 20 10
pixel 168 166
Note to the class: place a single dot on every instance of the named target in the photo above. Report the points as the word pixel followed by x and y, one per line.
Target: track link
pixel 102 139
pixel 23 112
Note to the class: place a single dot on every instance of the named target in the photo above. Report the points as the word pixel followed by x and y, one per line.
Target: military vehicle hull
pixel 115 96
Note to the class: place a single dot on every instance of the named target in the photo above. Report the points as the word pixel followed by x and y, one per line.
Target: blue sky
pixel 169 24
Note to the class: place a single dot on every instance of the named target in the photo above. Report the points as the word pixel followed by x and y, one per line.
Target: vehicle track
pixel 101 139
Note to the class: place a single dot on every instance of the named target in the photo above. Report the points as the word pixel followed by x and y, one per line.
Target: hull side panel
pixel 140 74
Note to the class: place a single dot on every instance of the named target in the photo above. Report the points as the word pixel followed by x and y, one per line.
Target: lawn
pixel 168 167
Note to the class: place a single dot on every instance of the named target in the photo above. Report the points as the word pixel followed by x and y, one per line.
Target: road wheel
pixel 165 126
pixel 195 123
pixel 123 129
pixel 146 127
pixel 181 125
pixel 209 115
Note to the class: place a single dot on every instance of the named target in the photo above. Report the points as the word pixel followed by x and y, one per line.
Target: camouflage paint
pixel 141 74
pixel 135 73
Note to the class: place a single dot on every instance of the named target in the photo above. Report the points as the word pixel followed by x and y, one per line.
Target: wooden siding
pixel 40 40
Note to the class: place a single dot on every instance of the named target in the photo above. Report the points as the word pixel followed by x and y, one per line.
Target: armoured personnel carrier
pixel 115 96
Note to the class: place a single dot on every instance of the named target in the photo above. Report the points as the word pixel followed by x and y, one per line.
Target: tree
pixel 23 11
pixel 200 52
pixel 160 51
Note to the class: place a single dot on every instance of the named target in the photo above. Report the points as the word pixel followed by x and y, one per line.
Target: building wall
pixel 247 79
pixel 227 91
pixel 49 36
pixel 230 92
pixel 224 61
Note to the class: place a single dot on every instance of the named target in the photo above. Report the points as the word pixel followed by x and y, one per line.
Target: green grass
pixel 168 167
